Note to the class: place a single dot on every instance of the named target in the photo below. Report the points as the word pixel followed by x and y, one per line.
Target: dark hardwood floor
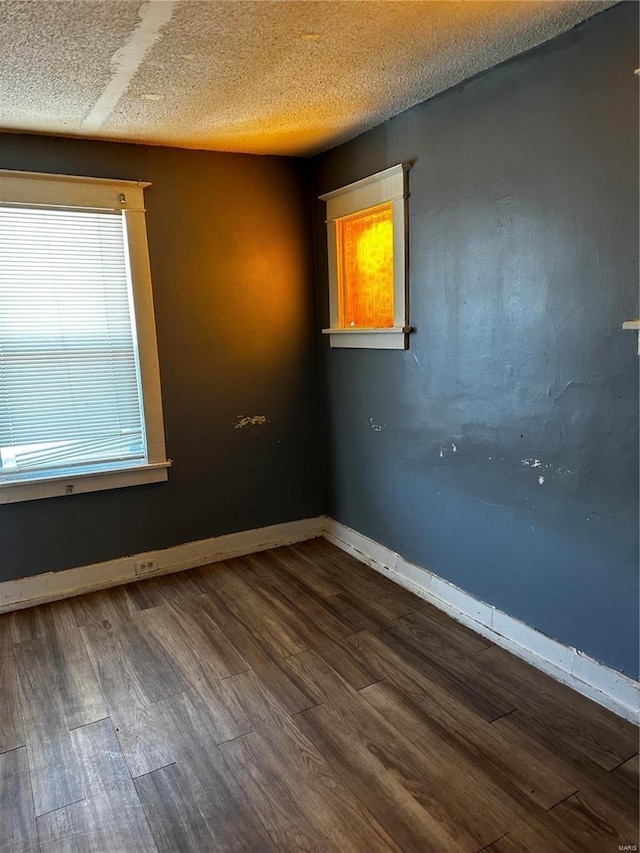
pixel 293 700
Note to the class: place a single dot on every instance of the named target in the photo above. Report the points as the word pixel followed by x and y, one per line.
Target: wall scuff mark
pixel 250 420
pixel 534 463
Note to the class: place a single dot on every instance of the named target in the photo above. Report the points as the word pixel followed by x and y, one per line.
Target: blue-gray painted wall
pixel 523 265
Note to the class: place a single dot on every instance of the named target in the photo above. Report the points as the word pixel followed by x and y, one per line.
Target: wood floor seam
pixel 100 720
pixel 624 761
pixel 61 808
pixel 502 716
pixel 377 681
pixel 629 758
pixel 563 800
pixel 13 749
pixel 231 739
pixel 304 710
pixel 235 673
pixel 495 841
pixel 170 764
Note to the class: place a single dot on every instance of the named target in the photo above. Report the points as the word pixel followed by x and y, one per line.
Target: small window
pixel 367 277
pixel 80 406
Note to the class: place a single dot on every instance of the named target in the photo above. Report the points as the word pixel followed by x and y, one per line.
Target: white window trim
pixel 389 185
pixel 73 192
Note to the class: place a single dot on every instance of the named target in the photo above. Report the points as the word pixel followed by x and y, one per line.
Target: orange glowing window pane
pixel 365 265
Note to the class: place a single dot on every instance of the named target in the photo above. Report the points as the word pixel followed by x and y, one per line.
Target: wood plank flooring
pixel 293 700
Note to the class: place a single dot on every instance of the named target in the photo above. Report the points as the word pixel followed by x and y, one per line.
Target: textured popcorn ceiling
pixel 283 77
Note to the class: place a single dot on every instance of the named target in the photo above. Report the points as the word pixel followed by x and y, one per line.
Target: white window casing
pixel 389 185
pixel 35 193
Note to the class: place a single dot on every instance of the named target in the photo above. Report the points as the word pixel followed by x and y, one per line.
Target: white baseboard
pixel 51 586
pixel 568 665
pixel 572 667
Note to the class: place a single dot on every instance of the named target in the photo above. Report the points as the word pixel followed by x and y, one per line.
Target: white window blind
pixel 70 389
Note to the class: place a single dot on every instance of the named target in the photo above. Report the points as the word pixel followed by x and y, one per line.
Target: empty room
pixel 319 349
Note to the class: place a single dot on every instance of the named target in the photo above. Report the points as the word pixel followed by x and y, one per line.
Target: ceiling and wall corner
pixel 290 78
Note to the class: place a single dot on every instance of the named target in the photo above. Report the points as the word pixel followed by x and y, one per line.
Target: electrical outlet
pixel 145 567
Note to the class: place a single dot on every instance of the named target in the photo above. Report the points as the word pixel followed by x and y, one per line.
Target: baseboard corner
pixel 606 686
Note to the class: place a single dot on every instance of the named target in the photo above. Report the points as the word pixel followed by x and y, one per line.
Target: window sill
pixel 633 325
pixel 72 484
pixel 394 338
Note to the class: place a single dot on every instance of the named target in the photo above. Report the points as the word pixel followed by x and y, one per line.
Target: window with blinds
pixel 79 402
pixel 69 369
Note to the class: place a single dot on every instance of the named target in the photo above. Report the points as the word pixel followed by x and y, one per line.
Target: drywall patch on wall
pixel 250 420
